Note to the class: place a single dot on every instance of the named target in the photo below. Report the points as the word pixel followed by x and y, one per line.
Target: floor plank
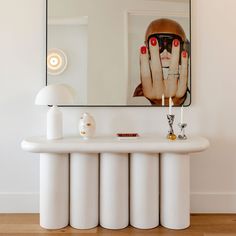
pixel 201 225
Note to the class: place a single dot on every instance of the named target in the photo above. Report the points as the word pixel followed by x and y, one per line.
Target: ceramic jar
pixel 87 126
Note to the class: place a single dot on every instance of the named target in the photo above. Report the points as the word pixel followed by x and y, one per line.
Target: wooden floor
pixel 201 225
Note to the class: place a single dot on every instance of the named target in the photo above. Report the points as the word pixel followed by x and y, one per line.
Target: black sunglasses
pixel 165 41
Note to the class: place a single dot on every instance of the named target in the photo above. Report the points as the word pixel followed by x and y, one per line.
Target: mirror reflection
pixel 120 53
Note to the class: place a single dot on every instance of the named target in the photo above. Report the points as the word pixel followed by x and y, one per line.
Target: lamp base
pixel 54 123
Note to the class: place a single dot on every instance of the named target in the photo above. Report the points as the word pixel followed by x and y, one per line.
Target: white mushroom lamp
pixel 54 95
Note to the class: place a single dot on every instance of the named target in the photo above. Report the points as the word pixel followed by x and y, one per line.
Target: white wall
pixel 213 173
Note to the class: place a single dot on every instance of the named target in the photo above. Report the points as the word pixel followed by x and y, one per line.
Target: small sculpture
pixel 171 135
pixel 182 135
pixel 87 126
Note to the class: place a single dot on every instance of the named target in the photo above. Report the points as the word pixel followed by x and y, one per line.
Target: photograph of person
pixel 164 64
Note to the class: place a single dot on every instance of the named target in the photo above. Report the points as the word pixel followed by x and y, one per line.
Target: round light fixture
pixel 56 61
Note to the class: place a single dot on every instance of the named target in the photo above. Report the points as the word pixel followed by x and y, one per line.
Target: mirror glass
pixel 121 52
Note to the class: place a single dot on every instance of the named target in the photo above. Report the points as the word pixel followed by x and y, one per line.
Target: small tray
pixel 127 136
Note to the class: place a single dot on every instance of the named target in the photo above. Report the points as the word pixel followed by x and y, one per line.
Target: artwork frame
pixel 126 15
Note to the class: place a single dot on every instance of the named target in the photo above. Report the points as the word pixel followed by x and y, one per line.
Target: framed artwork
pixel 161 68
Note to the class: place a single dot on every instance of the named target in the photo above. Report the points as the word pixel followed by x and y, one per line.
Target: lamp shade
pixel 55 94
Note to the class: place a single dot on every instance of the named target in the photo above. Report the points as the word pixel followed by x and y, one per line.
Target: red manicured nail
pixel 143 50
pixel 176 42
pixel 184 54
pixel 153 41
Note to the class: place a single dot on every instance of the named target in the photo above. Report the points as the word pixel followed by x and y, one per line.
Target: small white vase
pixel 87 126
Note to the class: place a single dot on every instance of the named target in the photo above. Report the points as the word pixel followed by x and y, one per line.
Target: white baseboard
pixel 213 202
pixel 200 202
pixel 19 202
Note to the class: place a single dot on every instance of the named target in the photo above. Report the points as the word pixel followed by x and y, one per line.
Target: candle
pixel 163 100
pixel 182 115
pixel 170 106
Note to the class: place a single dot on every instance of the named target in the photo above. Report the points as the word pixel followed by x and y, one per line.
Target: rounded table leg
pixel 114 198
pixel 84 190
pixel 54 190
pixel 175 191
pixel 144 190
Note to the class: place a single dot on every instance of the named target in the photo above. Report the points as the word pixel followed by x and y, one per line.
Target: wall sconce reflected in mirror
pixel 56 61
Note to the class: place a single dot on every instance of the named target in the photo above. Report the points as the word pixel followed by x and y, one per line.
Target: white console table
pixel 116 181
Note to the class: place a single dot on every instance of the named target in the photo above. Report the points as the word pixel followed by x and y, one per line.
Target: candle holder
pixel 171 135
pixel 182 135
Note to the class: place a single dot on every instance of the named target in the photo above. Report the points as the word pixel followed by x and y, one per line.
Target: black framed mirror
pixel 121 53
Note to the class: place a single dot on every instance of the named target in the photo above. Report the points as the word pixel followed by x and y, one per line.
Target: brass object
pixel 171 137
